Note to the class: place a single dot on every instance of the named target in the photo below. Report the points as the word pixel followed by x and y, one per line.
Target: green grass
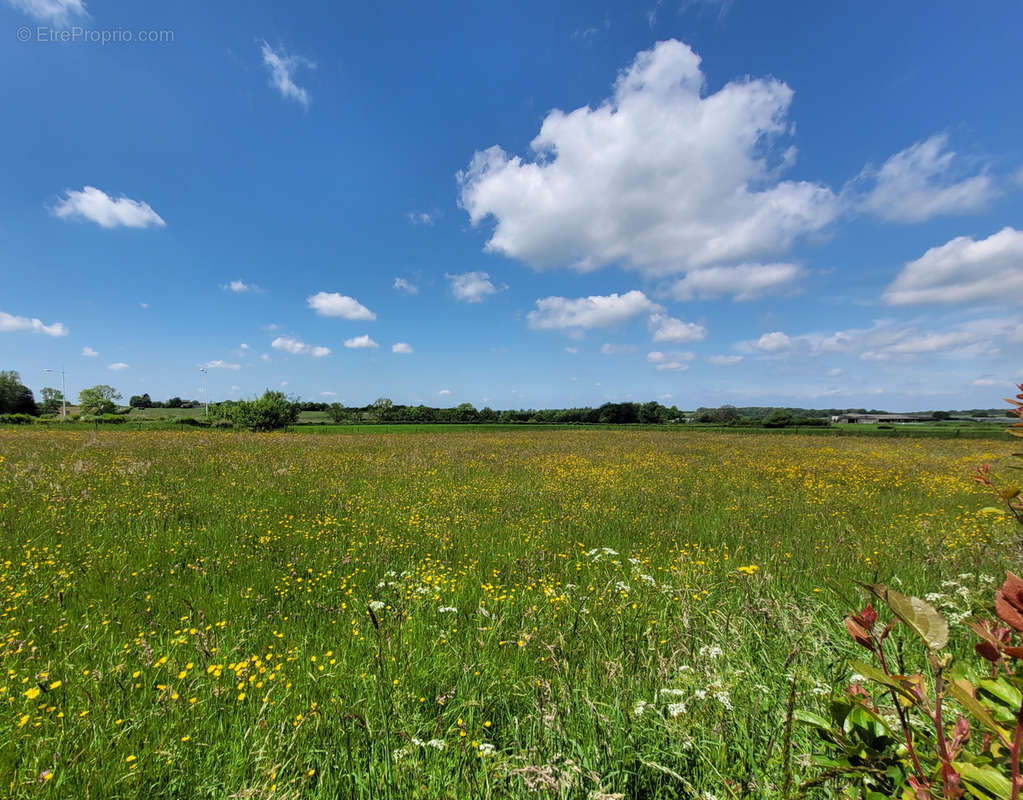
pixel 593 575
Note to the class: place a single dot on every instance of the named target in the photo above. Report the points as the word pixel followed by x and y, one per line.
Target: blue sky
pixel 514 206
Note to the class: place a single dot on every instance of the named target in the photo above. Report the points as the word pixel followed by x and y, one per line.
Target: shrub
pixel 16 419
pixel 272 411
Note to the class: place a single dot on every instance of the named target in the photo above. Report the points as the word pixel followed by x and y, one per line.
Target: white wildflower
pixel 672 693
pixel 676 709
pixel 724 698
pixel 447 610
pixel 710 651
pixel 437 744
pixel 639 708
pixel 486 748
pixel 377 605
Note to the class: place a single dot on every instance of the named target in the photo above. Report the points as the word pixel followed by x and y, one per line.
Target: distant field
pixel 556 614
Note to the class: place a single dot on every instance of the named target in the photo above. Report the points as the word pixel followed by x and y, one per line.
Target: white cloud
pixel 118 366
pixel 669 361
pixel 97 206
pixel 332 304
pixel 401 347
pixel 328 394
pixel 143 305
pixel 265 357
pixel 244 347
pixel 742 282
pixel 920 182
pixel 724 361
pixel 58 12
pixel 403 286
pixel 669 329
pixel 296 347
pixel 572 350
pixel 358 342
pixel 834 373
pixel 616 349
pixel 282 70
pixel 773 342
pixel 964 270
pixel 584 313
pixel 471 287
pixel 12 324
pixel 88 352
pixel 239 286
pixel 218 364
pixel 421 217
pixel 658 178
pixel 444 392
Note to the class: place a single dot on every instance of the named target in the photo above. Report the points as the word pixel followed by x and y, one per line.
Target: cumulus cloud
pixel 403 286
pixel 332 304
pixel 471 287
pixel 97 206
pixel 118 366
pixel 219 364
pixel 659 177
pixel 422 217
pixel 669 329
pixel 444 392
pixel 359 342
pixel 964 270
pixel 724 361
pixel 742 282
pixel 609 349
pixel 922 182
pixel 669 361
pixel 401 347
pixel 12 324
pixel 239 287
pixel 672 366
pixel 595 311
pixel 774 342
pixel 572 350
pixel 57 12
pixel 88 352
pixel 296 347
pixel 890 341
pixel 282 70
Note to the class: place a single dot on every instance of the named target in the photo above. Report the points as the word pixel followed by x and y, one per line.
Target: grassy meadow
pixel 496 614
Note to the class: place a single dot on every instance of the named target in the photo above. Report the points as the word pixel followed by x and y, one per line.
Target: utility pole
pixel 63 392
pixel 205 390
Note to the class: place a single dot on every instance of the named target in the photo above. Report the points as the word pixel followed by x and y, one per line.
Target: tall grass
pixel 510 614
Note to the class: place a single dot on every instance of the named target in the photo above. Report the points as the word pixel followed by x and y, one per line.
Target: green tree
pixel 52 400
pixel 99 399
pixel 270 412
pixel 140 401
pixel 15 397
pixel 779 418
pixel 337 412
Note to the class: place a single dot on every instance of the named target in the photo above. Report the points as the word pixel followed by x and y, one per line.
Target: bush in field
pixel 270 412
pixel 16 419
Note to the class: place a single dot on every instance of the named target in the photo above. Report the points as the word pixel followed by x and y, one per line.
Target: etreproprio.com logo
pixel 104 36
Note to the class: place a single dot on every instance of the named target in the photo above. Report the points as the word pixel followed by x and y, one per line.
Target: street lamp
pixel 63 392
pixel 205 390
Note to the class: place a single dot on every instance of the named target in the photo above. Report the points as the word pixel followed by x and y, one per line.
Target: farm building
pixel 885 418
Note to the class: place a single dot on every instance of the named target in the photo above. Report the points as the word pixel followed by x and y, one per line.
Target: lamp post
pixel 205 390
pixel 63 392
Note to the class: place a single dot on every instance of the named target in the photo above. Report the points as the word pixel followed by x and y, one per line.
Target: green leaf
pixel 960 690
pixel 1003 691
pixel 1009 492
pixel 918 614
pixel 992 510
pixel 988 779
pixel 872 672
pixel 811 718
